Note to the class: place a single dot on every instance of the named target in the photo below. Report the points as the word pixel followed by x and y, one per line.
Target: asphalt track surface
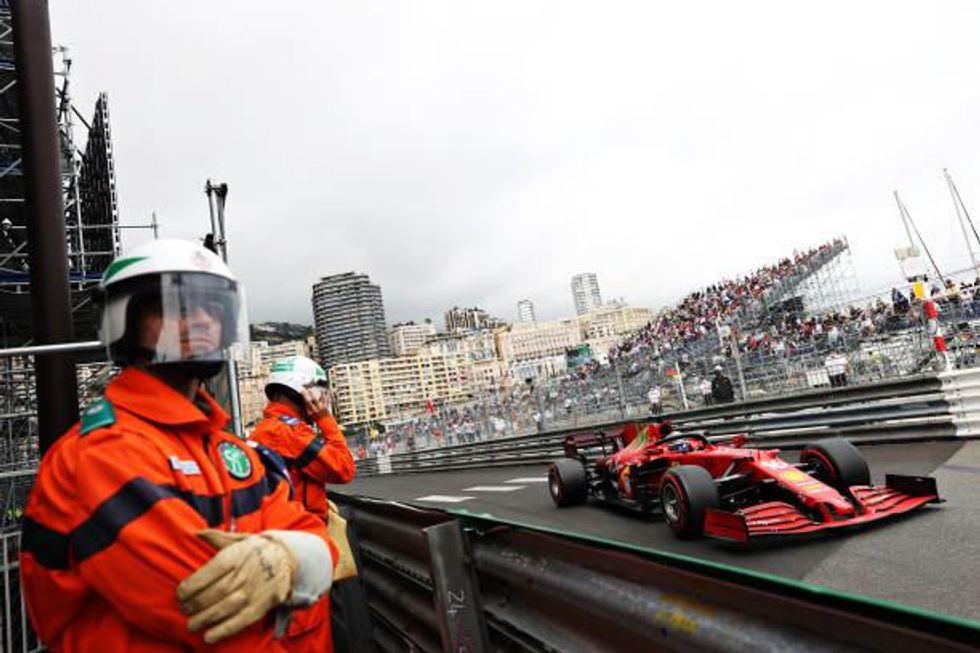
pixel 929 559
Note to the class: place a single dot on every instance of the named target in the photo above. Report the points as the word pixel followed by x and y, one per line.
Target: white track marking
pixel 530 479
pixel 442 498
pixel 493 488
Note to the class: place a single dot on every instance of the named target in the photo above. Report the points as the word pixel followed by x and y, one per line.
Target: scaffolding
pixel 93 240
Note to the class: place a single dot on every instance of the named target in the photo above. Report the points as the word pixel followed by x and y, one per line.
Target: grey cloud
pixel 479 153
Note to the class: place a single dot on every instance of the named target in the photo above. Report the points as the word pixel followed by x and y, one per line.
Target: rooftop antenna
pixel 907 221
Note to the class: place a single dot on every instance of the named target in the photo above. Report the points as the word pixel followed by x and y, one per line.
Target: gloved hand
pixel 250 575
pixel 337 530
pixel 316 402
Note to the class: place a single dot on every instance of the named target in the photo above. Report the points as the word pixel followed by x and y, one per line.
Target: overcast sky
pixel 477 153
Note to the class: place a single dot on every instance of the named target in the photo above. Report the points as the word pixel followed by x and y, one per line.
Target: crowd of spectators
pixel 698 314
pixel 684 339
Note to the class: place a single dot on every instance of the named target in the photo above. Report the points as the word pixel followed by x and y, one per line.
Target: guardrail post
pixel 459 608
pixel 351 623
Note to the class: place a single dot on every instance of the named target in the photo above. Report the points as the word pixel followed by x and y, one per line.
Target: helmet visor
pixel 174 316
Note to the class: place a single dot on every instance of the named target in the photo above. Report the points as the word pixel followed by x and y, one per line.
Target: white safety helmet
pixel 295 373
pixel 170 301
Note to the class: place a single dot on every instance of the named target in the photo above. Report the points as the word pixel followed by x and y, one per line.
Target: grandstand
pixel 785 319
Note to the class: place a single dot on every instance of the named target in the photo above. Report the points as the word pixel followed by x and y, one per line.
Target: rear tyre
pixel 836 462
pixel 568 482
pixel 686 493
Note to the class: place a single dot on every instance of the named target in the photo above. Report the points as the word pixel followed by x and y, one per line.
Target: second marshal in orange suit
pixel 297 424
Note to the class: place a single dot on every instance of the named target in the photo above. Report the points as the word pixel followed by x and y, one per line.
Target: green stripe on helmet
pixel 119 265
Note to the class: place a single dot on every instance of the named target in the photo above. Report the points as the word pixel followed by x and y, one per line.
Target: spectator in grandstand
pixel 953 295
pixel 149 527
pixel 655 397
pixel 899 302
pixel 297 425
pixel 705 388
pixel 721 387
pixel 836 366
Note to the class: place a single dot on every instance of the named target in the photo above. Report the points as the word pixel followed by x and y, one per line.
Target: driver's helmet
pixel 681 446
pixel 666 428
pixel 294 374
pixel 165 302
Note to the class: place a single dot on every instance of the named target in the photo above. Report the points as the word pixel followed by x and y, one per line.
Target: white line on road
pixel 442 498
pixel 493 488
pixel 530 479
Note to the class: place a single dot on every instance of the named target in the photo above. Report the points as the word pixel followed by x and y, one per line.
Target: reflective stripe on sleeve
pixel 48 546
pixel 310 453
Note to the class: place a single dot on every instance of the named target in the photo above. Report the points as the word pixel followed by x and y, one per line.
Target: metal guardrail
pixel 16 633
pixel 912 408
pixel 513 587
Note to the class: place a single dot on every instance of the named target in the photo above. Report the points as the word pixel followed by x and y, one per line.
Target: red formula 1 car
pixel 716 487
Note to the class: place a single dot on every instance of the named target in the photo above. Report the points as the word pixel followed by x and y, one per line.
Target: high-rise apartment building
pixel 525 311
pixel 585 292
pixel 349 319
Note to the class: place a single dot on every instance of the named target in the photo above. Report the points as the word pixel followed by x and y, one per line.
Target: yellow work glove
pixel 251 574
pixel 337 530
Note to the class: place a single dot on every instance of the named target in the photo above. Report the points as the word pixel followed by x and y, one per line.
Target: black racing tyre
pixel 836 462
pixel 568 482
pixel 686 492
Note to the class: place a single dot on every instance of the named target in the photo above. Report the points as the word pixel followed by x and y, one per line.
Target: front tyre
pixel 686 493
pixel 568 482
pixel 836 462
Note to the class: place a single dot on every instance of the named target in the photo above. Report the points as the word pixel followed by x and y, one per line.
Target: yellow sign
pixel 919 290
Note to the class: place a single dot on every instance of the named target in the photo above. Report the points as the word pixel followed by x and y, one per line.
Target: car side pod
pixel 777 520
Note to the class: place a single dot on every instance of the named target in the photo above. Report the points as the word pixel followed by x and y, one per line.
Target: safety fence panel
pixel 907 409
pixel 509 587
pixel 16 634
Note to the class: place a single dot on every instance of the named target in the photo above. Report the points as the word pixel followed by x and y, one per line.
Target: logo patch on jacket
pixel 96 415
pixel 235 460
pixel 292 421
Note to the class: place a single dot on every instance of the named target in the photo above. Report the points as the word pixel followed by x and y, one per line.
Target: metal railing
pixel 510 587
pixel 910 408
pixel 16 633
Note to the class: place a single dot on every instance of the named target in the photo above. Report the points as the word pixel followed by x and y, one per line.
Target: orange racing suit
pixel 313 461
pixel 110 525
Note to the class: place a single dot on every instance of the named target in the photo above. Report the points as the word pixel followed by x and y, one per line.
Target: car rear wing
pixel 576 443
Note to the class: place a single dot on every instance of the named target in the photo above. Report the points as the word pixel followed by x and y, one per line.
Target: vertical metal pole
pixel 901 213
pixel 957 202
pixel 57 390
pixel 216 202
pixel 622 391
pixel 680 384
pixel 738 363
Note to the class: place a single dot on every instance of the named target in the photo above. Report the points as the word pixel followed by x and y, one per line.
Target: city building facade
pixel 536 350
pixel 349 319
pixel 525 311
pixel 406 339
pixel 390 388
pixel 481 349
pixel 460 320
pixel 585 292
pixel 608 325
